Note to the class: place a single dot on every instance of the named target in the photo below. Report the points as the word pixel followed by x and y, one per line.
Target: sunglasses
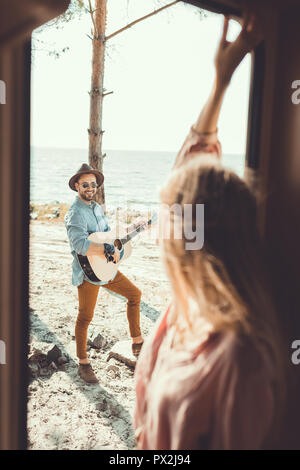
pixel 87 185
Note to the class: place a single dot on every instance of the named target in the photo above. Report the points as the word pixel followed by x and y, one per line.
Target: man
pixel 84 217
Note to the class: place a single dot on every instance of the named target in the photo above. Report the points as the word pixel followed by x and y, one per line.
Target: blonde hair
pixel 228 278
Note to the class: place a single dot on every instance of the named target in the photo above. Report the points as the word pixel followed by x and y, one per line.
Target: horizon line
pixel 123 150
pixel 106 150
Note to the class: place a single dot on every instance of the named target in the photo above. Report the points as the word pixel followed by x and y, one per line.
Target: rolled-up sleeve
pixel 77 232
pixel 198 143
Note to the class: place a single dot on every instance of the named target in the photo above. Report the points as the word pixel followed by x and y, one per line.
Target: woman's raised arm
pixel 203 136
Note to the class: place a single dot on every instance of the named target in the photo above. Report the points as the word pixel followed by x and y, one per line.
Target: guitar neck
pixel 135 232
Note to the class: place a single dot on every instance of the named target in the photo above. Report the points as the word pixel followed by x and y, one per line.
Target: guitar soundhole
pixel 118 244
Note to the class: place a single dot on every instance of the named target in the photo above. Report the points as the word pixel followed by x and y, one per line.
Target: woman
pixel 210 374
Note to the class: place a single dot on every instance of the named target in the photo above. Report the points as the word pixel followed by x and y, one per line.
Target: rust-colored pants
pixel 87 296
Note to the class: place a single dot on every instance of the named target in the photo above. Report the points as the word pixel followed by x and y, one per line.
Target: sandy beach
pixel 63 411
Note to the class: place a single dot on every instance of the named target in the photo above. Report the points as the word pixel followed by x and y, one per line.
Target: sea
pixel 132 178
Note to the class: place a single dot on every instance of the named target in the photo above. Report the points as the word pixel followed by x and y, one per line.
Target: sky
pixel 160 71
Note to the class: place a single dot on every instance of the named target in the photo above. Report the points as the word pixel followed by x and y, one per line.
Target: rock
pixel 115 408
pixel 34 215
pixel 36 354
pixel 54 354
pixel 114 368
pixel 44 372
pixel 97 342
pixel 102 405
pixel 114 371
pixel 53 366
pixel 34 369
pixel 39 357
pixel 122 352
pixel 62 360
pixel 44 362
pixel 49 216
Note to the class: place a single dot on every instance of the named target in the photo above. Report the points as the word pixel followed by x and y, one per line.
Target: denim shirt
pixel 81 220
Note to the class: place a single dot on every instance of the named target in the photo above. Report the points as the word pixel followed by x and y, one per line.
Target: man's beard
pixel 87 197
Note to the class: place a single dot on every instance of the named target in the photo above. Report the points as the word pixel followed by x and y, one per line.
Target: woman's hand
pixel 230 54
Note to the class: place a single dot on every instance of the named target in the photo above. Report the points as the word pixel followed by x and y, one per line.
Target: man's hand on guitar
pixel 111 253
pixel 116 256
pixel 140 222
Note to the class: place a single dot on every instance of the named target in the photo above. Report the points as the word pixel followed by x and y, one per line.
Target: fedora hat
pixel 83 170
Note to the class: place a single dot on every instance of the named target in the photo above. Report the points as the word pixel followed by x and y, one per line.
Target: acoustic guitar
pixel 97 268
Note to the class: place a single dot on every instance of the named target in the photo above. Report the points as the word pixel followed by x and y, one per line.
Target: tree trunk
pixel 96 94
pixel 95 131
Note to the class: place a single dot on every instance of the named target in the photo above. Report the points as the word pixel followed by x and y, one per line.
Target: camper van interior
pixel 272 157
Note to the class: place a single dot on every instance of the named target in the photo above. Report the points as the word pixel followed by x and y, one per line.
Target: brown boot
pixel 87 374
pixel 136 348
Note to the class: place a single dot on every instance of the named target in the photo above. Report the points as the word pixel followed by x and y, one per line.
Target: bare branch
pixel 93 19
pixel 108 93
pixel 141 19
